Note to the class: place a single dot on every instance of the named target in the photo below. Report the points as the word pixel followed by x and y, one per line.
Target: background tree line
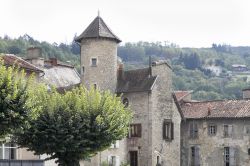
pixel 190 65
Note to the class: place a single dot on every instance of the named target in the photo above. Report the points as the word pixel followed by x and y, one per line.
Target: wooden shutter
pixel 164 134
pixel 230 130
pixel 172 130
pixel 117 161
pixel 139 130
pixel 232 156
pixel 195 130
pixel 197 156
pixel 191 129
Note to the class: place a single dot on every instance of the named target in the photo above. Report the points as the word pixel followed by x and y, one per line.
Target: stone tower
pixel 99 56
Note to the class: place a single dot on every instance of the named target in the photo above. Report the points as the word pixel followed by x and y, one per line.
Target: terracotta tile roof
pixel 10 59
pixel 98 29
pixel 135 81
pixel 216 109
pixel 181 94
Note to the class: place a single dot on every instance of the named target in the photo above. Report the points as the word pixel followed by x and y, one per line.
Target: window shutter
pixel 195 130
pixel 172 130
pixel 139 130
pixel 197 156
pixel 117 161
pixel 109 160
pixel 230 130
pixel 232 155
pixel 191 129
pixel 164 130
pixel 117 144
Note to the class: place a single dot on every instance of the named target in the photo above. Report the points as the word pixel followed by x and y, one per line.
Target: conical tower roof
pixel 98 29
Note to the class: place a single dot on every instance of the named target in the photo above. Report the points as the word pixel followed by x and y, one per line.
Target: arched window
pixel 125 102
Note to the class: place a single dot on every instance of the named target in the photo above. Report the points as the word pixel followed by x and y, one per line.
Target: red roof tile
pixel 10 59
pixel 181 94
pixel 216 109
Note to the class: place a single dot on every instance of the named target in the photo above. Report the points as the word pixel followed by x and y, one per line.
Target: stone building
pixel 168 127
pixel 154 135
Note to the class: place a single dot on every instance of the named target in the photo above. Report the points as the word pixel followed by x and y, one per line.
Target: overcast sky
pixel 193 23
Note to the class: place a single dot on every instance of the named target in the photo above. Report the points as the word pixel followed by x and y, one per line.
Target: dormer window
pixel 93 62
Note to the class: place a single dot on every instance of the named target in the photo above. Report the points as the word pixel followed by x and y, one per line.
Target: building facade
pixel 168 127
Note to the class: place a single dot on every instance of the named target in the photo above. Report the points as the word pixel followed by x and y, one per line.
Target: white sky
pixel 193 23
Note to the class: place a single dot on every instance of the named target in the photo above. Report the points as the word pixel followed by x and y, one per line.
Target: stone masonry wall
pixel 163 107
pixel 105 73
pixel 212 147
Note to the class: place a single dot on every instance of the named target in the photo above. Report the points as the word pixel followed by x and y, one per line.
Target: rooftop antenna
pixel 98 13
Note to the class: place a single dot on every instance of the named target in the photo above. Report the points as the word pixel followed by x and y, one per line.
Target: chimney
pixel 120 72
pixel 34 56
pixel 53 61
pixel 246 93
pixel 209 111
pixel 34 53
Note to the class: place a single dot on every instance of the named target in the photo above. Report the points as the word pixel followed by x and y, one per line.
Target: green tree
pixel 13 97
pixel 76 125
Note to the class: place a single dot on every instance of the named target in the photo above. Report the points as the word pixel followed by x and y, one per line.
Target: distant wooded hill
pixel 206 71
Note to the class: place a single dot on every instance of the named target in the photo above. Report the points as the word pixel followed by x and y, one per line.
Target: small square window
pixel 94 62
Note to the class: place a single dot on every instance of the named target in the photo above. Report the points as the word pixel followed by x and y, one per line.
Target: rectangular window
pixel 168 130
pixel 135 130
pixel 229 156
pixel 193 129
pixel 195 156
pixel 228 130
pixel 115 145
pixel 94 62
pixel 212 129
pixel 8 151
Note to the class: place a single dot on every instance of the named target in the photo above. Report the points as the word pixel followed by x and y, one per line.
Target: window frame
pixel 135 130
pixel 94 59
pixel 12 148
pixel 210 133
pixel 168 130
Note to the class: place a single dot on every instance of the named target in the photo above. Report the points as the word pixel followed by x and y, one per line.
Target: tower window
pixel 94 62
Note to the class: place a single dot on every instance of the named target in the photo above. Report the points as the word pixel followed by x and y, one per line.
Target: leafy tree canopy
pixel 75 125
pixel 14 111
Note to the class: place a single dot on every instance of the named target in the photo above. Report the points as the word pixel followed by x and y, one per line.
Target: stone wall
pixel 163 107
pixel 212 147
pixel 104 75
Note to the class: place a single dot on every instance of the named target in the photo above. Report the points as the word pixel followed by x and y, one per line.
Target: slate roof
pixel 135 81
pixel 10 59
pixel 61 76
pixel 216 109
pixel 98 29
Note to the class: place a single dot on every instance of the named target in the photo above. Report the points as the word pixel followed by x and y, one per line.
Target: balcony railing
pixel 4 162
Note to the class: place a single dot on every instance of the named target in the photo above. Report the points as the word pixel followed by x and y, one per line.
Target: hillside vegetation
pixel 208 72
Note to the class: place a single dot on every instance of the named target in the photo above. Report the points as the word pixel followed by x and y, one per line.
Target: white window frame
pixel 4 146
